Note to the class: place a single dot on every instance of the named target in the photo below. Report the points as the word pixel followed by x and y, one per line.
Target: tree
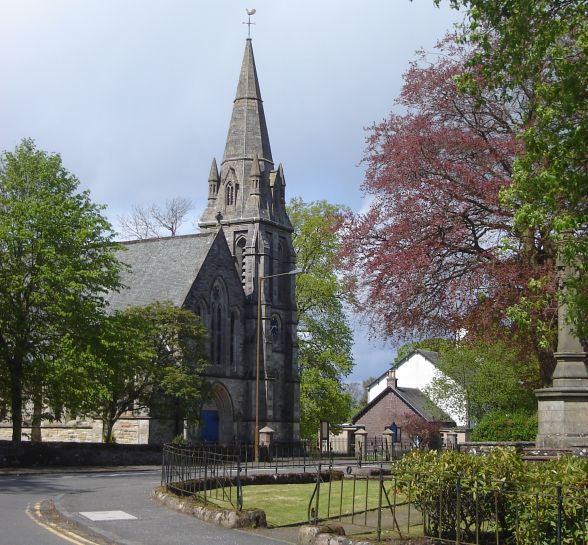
pixel 422 434
pixel 476 378
pixel 358 394
pixel 506 426
pixel 541 44
pixel 154 221
pixel 151 358
pixel 57 262
pixel 325 338
pixel 437 252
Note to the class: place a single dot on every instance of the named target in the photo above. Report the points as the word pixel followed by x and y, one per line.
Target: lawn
pixel 287 504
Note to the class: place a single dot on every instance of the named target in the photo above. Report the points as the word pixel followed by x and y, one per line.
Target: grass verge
pixel 287 504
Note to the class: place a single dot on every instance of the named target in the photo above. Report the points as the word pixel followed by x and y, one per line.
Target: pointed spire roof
pixel 213 176
pixel 248 131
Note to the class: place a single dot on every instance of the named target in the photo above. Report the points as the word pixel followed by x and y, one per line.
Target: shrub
pixel 498 426
pixel 453 488
pixel 497 494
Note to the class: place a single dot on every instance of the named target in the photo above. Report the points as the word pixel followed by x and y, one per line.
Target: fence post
pixel 496 517
pixel 239 486
pixel 559 512
pixel 318 492
pixel 205 476
pixel 163 460
pixel 537 518
pixel 458 510
pixel 379 529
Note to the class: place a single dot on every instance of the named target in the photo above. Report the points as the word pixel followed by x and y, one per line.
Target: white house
pixel 416 370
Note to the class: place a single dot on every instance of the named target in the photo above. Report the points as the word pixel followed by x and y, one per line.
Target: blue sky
pixel 136 96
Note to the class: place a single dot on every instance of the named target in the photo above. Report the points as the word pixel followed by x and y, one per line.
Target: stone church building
pixel 245 234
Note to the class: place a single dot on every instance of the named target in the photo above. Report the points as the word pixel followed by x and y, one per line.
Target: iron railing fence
pixel 453 509
pixel 214 471
pixel 203 474
pixel 377 449
pixel 305 454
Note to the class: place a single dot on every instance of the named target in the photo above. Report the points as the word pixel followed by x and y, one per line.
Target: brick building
pixel 398 405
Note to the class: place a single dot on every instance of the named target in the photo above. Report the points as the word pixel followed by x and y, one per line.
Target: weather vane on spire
pixel 250 12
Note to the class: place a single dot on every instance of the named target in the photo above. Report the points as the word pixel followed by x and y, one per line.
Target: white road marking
pixel 107 515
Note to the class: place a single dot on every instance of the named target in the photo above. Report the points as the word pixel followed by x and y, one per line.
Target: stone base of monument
pixel 563 408
pixel 563 417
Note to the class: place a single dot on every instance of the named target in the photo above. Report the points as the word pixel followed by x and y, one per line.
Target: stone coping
pixel 334 534
pixel 227 518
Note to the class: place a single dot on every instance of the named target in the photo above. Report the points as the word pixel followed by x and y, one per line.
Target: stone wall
pixel 127 431
pixel 77 454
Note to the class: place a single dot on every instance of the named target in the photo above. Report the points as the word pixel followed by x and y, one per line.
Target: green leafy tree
pixel 57 260
pixel 325 338
pixel 501 426
pixel 541 46
pixel 147 358
pixel 476 378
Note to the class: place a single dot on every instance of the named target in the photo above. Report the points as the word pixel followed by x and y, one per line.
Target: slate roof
pixel 415 399
pixel 162 269
pixel 418 399
pixel 427 354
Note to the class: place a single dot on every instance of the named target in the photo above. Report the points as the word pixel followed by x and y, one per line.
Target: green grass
pixel 288 504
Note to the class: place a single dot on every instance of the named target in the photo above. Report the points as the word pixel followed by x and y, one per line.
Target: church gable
pixel 217 264
pixel 217 297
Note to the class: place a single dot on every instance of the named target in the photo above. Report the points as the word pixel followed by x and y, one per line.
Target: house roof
pixel 161 269
pixel 415 399
pixel 427 354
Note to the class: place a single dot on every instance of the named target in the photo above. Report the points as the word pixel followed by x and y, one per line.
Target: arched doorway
pixel 217 422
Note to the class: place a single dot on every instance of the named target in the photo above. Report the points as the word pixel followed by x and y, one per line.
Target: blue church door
pixel 210 426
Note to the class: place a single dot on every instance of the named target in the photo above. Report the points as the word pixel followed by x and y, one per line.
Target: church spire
pixel 247 134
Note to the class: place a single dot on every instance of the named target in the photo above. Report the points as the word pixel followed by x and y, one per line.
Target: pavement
pixel 126 490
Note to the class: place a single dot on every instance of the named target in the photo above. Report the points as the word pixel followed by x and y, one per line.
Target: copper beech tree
pixel 436 252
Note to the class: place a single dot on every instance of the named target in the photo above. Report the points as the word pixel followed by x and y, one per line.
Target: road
pixel 99 492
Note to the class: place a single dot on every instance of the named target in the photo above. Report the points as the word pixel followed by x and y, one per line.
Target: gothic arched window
pixel 213 335
pixel 234 338
pixel 218 336
pixel 219 323
pixel 285 280
pixel 239 257
pixel 229 194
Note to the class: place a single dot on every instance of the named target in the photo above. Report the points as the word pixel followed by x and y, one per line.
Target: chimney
pixel 392 380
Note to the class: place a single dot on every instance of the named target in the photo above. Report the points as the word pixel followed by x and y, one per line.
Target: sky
pixel 136 95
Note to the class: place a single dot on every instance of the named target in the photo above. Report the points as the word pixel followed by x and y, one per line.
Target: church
pixel 235 274
pixel 241 257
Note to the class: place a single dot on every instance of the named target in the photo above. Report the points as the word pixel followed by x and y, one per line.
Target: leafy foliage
pixel 474 379
pixel 542 45
pixel 57 261
pixel 325 338
pixel 148 358
pixel 438 252
pixel 500 426
pixel 422 434
pixel 497 495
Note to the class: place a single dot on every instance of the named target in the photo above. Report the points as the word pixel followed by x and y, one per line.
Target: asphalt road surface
pixel 126 492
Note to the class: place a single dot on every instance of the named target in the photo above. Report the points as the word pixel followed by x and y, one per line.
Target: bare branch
pixel 155 221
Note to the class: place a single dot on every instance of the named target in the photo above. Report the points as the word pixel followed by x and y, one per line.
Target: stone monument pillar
pixel 563 408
